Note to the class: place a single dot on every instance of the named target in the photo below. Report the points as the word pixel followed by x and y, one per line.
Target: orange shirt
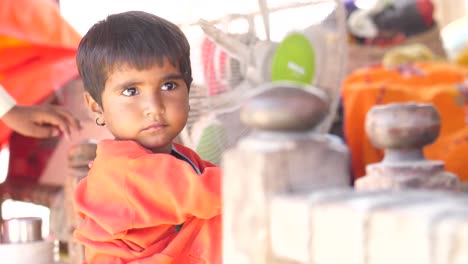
pixel 132 200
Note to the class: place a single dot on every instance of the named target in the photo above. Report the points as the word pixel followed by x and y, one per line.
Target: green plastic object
pixel 294 60
pixel 212 142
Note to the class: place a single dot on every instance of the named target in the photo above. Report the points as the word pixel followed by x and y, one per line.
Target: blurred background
pixel 236 46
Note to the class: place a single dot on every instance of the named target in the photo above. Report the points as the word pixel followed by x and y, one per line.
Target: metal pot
pixel 22 230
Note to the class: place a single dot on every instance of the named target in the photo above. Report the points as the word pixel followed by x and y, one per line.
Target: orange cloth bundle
pixel 37 51
pixel 428 82
pixel 133 200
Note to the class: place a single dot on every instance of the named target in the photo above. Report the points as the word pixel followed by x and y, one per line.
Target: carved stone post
pixel 282 155
pixel 403 130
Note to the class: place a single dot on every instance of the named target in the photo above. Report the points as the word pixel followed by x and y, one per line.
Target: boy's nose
pixel 155 106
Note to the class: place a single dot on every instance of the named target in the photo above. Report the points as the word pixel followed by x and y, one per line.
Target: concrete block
pixel 448 238
pixel 407 235
pixel 290 226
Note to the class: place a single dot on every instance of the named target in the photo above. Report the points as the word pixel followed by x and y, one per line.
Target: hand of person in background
pixel 41 121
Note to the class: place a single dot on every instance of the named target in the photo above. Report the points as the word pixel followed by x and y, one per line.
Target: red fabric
pixel 426 9
pixel 214 67
pixel 132 200
pixel 37 51
pixel 29 158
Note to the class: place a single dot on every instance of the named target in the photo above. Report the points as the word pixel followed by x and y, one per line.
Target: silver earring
pixel 98 123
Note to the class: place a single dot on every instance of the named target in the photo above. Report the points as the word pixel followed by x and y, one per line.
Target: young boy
pixel 145 199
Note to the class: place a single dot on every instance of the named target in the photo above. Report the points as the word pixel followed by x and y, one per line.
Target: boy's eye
pixel 168 86
pixel 130 92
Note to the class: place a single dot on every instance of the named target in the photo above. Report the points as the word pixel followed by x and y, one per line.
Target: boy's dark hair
pixel 134 38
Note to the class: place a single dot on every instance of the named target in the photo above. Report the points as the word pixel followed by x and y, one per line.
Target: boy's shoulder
pixel 114 147
pixel 129 149
pixel 193 156
pixel 184 149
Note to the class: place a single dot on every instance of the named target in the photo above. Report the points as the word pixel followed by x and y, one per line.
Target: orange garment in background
pixel 37 51
pixel 436 83
pixel 132 200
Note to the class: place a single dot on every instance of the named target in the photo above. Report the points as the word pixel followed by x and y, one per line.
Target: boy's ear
pixel 92 105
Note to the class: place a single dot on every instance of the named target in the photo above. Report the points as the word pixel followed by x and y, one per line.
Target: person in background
pixel 37 57
pixel 146 199
pixel 38 121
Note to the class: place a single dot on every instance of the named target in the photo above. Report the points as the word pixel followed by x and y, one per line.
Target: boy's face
pixel 148 106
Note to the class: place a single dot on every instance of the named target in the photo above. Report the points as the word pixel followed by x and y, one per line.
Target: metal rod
pixel 271 10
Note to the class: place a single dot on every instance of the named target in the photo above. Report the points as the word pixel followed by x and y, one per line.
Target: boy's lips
pixel 154 127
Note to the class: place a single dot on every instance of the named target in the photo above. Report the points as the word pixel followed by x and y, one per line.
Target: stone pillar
pixel 282 155
pixel 403 130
